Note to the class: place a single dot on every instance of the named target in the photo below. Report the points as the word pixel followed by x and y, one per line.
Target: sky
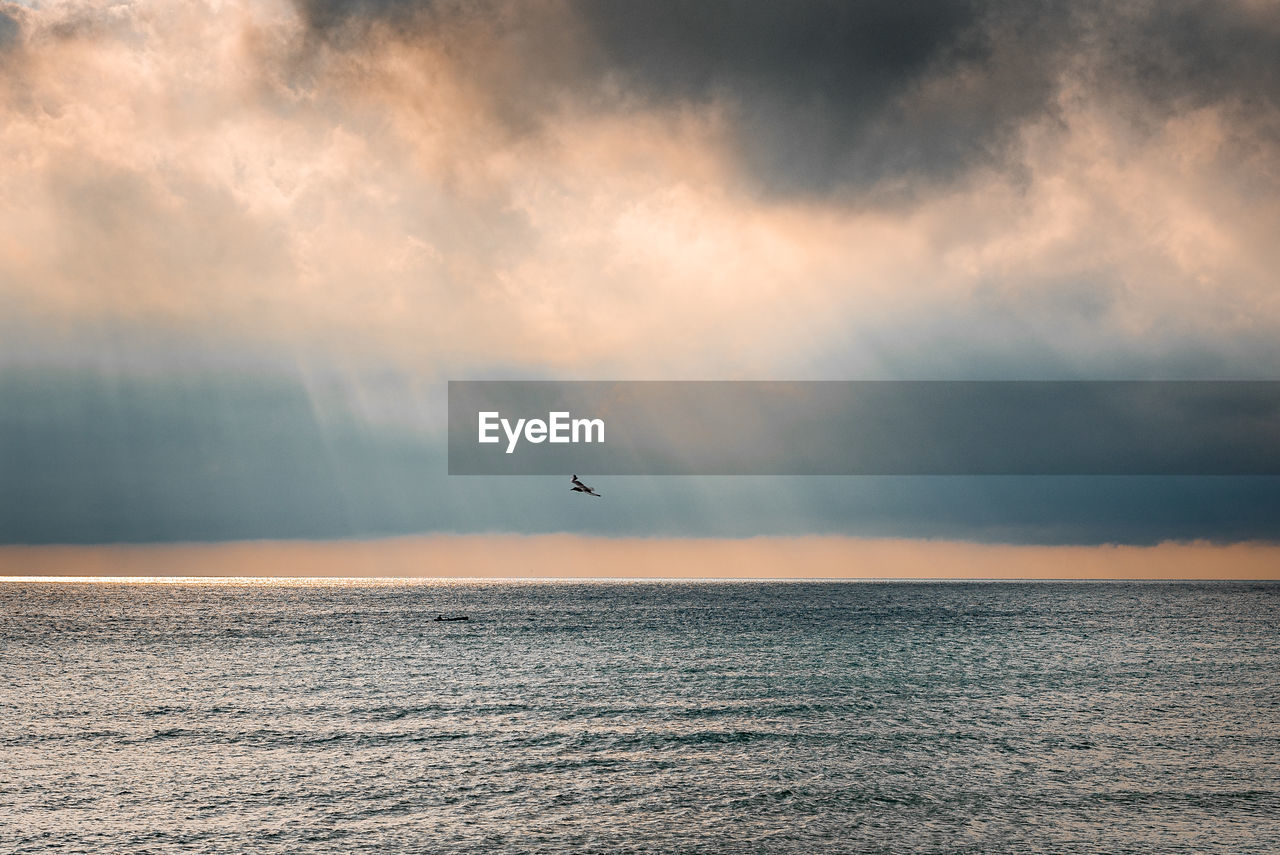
pixel 244 245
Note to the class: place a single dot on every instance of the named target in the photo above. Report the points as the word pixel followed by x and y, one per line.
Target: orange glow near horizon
pixel 575 557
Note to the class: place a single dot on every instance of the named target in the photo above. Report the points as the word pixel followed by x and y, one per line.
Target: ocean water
pixel 639 717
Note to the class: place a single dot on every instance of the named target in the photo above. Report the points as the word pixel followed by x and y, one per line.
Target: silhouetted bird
pixel 579 487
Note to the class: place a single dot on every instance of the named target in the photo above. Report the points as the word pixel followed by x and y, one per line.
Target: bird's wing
pixel 574 480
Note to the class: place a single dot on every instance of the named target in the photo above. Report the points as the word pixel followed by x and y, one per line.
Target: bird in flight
pixel 579 487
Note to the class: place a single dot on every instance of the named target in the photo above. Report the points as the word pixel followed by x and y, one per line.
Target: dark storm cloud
pixel 827 97
pixel 1190 53
pixel 336 20
pixel 821 95
pixel 828 94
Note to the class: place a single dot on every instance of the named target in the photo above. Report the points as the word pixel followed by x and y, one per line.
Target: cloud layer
pixel 715 189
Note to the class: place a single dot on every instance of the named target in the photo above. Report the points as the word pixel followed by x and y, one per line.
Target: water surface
pixel 656 717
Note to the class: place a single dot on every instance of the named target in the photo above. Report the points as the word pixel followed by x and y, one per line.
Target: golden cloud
pixel 214 166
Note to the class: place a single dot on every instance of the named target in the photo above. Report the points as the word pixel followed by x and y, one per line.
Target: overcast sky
pixel 243 245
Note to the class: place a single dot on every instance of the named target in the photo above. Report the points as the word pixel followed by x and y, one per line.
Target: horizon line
pixel 590 580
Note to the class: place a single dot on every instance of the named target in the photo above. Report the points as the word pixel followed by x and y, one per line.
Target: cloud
pixel 10 27
pixel 1193 53
pixel 829 97
pixel 837 100
pixel 551 188
pixel 560 187
pixel 819 97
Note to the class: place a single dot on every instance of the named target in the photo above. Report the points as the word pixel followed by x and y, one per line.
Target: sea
pixel 338 716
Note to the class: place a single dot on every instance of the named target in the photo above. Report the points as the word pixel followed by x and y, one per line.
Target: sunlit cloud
pixel 423 189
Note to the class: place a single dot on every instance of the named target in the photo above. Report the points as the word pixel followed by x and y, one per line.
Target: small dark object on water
pixel 453 617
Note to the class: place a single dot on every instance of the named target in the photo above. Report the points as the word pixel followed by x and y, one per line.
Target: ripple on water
pixel 656 717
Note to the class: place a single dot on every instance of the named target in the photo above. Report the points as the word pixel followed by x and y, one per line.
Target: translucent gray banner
pixel 864 428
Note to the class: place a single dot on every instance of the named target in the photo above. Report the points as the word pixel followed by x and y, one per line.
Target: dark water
pixel 662 717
